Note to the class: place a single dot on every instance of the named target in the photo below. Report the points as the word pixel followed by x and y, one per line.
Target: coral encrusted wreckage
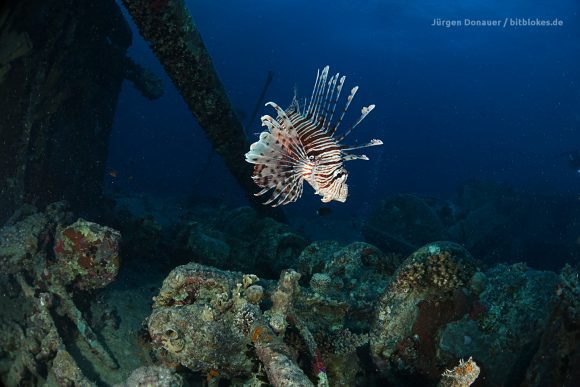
pixel 345 315
pixel 49 257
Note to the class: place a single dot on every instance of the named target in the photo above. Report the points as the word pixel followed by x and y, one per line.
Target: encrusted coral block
pixel 87 255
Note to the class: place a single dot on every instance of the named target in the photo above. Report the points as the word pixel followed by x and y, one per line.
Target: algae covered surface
pixel 101 312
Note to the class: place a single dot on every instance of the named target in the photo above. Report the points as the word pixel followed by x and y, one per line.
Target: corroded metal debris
pixel 167 26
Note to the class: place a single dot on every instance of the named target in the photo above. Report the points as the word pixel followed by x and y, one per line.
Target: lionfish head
pixel 338 189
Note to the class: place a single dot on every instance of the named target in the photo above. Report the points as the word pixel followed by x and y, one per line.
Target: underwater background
pixel 135 253
pixel 453 104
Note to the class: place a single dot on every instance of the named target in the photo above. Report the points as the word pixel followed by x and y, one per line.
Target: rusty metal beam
pixel 167 27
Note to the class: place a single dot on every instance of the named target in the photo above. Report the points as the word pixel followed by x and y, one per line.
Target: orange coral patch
pixel 212 374
pixel 85 261
pixel 76 238
pixel 256 334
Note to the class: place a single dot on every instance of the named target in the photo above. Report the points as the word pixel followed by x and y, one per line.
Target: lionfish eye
pixel 311 157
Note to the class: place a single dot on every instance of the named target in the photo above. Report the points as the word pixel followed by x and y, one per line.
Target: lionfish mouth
pixel 301 144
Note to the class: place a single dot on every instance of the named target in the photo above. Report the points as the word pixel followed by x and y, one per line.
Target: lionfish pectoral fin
pixel 281 114
pixel 270 122
pixel 373 142
pixel 263 191
pixel 274 165
pixel 286 191
pixel 266 151
pixel 350 157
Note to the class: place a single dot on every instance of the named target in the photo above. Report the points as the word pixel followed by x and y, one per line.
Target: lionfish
pixel 302 144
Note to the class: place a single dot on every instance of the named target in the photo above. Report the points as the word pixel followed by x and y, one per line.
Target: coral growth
pixel 314 325
pixel 203 307
pixel 425 294
pixel 198 307
pixel 345 282
pixel 87 255
pixel 282 299
pixel 504 323
pixel 55 258
pixel 556 360
pixel 462 375
pixel 149 376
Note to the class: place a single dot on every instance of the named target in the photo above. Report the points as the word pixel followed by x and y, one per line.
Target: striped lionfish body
pixel 302 145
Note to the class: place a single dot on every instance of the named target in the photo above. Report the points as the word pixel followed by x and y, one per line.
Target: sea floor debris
pixel 50 258
pixel 79 313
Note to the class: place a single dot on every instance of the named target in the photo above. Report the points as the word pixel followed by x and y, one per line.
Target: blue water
pixel 453 104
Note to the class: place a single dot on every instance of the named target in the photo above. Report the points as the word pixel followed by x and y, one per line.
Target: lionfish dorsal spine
pixel 364 112
pixel 338 90
pixel 319 91
pixel 314 102
pixel 311 100
pixel 328 99
pixel 348 101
